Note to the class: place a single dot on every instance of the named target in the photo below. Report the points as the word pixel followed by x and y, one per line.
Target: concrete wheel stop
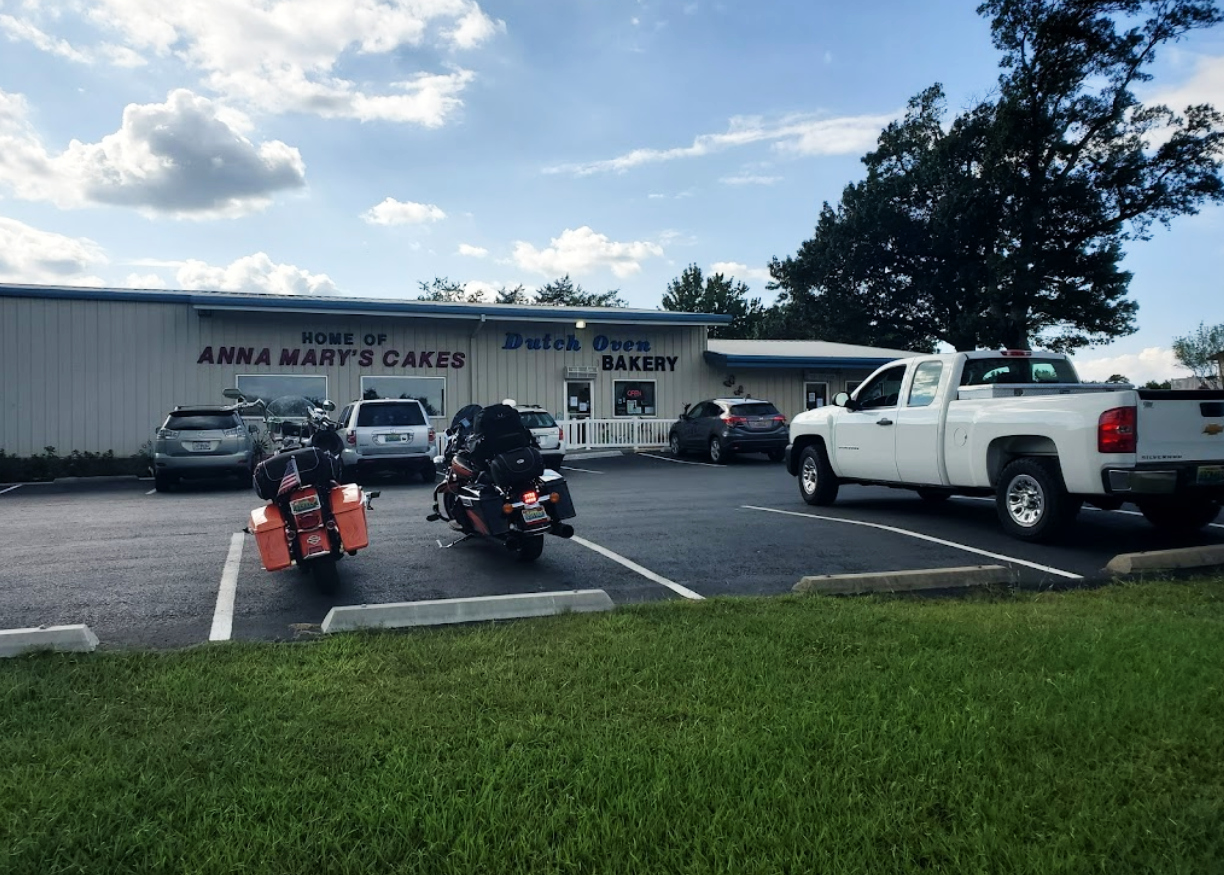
pixel 76 638
pixel 440 612
pixel 905 581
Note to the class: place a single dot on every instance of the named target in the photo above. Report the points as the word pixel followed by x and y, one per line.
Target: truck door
pixel 919 449
pixel 865 438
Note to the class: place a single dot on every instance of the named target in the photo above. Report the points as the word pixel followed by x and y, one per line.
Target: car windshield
pixel 404 413
pixel 537 419
pixel 759 408
pixel 1017 370
pixel 201 421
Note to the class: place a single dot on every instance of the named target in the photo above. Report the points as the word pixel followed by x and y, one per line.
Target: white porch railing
pixel 586 434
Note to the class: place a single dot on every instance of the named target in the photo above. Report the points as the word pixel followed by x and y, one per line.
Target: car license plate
pixel 1210 475
pixel 394 438
pixel 759 424
pixel 201 446
pixel 533 514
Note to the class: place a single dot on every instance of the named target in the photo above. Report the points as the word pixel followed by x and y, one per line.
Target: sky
pixel 362 147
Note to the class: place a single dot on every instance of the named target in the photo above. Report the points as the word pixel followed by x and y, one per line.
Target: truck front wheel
pixel 817 483
pixel 1032 502
pixel 1180 516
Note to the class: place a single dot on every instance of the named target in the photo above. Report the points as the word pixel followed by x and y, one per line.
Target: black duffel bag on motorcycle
pixel 315 468
pixel 516 467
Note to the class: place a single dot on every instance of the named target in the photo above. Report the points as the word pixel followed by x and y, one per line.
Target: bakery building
pixel 94 369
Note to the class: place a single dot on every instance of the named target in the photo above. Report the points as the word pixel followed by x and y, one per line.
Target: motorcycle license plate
pixel 300 506
pixel 1210 475
pixel 533 514
pixel 201 446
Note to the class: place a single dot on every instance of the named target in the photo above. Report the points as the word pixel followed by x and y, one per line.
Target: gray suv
pixel 387 434
pixel 202 441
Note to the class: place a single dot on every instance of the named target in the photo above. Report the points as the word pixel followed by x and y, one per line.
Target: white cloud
pixel 393 212
pixel 281 55
pixel 144 281
pixel 1205 85
pixel 185 157
pixel 254 273
pixel 749 179
pixel 1154 363
pixel 472 251
pixel 29 255
pixel 740 271
pixel 580 251
pixel 795 134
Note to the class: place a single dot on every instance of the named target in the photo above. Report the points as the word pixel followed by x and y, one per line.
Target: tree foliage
pixel 515 295
pixel 442 289
pixel 1198 352
pixel 692 293
pixel 564 292
pixel 1117 378
pixel 1008 225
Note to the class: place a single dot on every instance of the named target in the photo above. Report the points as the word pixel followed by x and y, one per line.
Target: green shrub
pixel 49 465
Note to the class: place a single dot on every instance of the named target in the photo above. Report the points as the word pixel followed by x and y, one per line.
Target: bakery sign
pixel 323 349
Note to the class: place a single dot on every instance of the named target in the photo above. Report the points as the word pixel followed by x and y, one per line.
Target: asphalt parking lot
pixel 146 569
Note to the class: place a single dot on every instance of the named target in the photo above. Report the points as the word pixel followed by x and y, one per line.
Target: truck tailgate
pixel 1185 426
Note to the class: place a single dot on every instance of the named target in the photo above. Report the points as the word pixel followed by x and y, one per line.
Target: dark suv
pixel 725 426
pixel 202 441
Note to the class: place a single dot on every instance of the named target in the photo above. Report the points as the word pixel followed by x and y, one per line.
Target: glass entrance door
pixel 578 399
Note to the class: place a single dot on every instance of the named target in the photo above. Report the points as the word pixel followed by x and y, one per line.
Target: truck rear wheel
pixel 817 483
pixel 1032 502
pixel 1181 516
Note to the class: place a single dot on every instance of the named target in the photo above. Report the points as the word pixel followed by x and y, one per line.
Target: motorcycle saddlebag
pixel 516 467
pixel 315 467
pixel 483 507
pixel 554 482
pixel 268 526
pixel 349 510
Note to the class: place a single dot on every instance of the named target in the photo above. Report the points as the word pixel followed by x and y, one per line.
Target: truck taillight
pixel 1116 431
pixel 1017 353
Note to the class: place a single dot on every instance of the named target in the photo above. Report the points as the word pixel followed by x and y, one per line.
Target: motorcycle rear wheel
pixel 529 549
pixel 326 575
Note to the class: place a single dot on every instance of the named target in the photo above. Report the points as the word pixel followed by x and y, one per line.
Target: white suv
pixel 549 435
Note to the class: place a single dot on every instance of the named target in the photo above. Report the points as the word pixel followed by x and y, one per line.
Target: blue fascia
pixel 339 305
pixel 727 360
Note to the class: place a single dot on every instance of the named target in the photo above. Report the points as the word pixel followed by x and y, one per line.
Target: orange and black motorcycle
pixel 495 484
pixel 311 518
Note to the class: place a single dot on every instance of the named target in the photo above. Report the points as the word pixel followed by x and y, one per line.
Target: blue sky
pixel 361 147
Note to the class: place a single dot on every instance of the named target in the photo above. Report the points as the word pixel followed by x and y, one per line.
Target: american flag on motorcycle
pixel 291 480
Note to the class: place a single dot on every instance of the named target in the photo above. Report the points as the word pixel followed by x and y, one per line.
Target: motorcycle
pixel 496 486
pixel 311 519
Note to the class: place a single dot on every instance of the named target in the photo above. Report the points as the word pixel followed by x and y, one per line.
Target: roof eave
pixel 728 360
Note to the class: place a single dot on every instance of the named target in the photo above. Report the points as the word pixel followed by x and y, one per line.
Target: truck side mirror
pixel 841 399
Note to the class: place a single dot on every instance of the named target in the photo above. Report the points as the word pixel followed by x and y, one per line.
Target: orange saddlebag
pixel 349 510
pixel 268 526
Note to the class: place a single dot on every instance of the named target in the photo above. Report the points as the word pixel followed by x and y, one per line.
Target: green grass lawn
pixel 1071 732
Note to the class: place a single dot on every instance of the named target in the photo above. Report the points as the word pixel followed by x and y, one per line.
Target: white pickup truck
pixel 1020 426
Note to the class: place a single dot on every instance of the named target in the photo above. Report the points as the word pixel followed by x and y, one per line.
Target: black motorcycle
pixel 496 486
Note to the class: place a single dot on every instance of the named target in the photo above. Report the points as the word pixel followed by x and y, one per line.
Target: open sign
pixel 633 393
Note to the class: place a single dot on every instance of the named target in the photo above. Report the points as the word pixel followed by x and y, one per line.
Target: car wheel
pixel 673 444
pixel 777 455
pixel 430 474
pixel 718 455
pixel 933 496
pixel 162 482
pixel 1184 516
pixel 817 483
pixel 1032 502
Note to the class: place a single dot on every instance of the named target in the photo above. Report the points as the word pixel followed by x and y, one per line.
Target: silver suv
pixel 388 434
pixel 202 442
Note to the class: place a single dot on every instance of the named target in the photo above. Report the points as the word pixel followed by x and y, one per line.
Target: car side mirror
pixel 841 399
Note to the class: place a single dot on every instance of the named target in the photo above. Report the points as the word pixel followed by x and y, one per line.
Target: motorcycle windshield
pixel 465 417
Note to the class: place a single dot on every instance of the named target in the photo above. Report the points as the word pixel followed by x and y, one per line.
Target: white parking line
pixel 11 488
pixel 681 461
pixel 223 616
pixel 583 470
pixel 633 566
pixel 151 492
pixel 922 537
pixel 1086 507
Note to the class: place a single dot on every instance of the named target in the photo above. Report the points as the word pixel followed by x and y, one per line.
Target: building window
pixel 815 395
pixel 633 397
pixel 267 387
pixel 430 391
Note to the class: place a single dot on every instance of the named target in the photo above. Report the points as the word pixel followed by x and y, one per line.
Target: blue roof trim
pixel 730 360
pixel 224 300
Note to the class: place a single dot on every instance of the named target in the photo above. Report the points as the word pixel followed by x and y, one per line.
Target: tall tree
pixel 1008 226
pixel 564 292
pixel 516 295
pixel 442 289
pixel 1199 353
pixel 692 293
